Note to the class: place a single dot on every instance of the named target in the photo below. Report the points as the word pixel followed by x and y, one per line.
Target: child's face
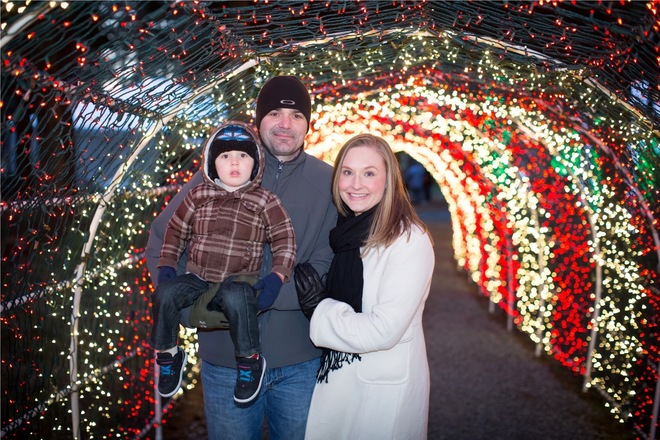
pixel 234 168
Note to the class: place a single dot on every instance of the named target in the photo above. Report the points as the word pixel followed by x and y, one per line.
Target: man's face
pixel 283 131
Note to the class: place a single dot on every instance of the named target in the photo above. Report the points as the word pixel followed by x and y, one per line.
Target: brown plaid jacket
pixel 226 233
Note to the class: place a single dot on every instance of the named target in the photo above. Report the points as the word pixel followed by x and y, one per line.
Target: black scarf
pixel 345 280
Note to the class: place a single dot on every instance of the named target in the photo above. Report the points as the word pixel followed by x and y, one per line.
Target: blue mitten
pixel 166 273
pixel 270 286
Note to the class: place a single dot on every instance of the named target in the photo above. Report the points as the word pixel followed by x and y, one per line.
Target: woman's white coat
pixel 386 394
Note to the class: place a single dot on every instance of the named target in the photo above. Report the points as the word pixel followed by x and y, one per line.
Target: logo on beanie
pixel 287 102
pixel 233 132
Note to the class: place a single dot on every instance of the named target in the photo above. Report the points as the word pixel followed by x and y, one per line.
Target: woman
pixel 374 376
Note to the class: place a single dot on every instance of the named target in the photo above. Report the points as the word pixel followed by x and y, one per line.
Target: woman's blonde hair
pixel 394 215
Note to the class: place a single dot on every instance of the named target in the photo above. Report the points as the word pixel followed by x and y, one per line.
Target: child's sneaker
pixel 248 381
pixel 171 372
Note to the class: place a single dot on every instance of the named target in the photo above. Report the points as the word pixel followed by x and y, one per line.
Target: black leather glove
pixel 311 290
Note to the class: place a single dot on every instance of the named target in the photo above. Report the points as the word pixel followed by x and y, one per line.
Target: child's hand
pixel 166 273
pixel 270 286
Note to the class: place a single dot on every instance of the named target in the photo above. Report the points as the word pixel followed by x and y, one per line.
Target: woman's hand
pixel 309 287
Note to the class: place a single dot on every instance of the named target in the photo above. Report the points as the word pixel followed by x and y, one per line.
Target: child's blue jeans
pixel 239 305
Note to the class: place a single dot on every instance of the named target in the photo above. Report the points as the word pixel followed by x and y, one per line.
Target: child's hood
pixel 244 138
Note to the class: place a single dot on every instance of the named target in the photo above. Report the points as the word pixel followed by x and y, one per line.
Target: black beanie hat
pixel 233 137
pixel 283 92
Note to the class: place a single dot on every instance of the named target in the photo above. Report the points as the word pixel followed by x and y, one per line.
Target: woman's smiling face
pixel 362 179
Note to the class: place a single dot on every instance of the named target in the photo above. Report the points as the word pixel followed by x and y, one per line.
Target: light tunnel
pixel 525 203
pixel 538 121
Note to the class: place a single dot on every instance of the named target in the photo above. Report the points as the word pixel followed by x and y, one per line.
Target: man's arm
pixel 281 236
pixel 159 225
pixel 322 255
pixel 316 252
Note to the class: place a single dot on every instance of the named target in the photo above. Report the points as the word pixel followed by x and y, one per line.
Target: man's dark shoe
pixel 248 380
pixel 171 372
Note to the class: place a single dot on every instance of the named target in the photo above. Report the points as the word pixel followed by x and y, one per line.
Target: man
pixel 302 183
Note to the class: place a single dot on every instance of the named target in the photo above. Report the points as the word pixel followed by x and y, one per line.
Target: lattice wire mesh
pixel 105 104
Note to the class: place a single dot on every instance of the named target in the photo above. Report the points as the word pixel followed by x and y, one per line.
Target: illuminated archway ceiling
pixel 591 66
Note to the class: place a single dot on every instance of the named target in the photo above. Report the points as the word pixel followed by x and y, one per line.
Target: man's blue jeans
pixel 239 305
pixel 284 400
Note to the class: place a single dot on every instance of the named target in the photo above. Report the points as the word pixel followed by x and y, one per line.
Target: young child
pixel 225 222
